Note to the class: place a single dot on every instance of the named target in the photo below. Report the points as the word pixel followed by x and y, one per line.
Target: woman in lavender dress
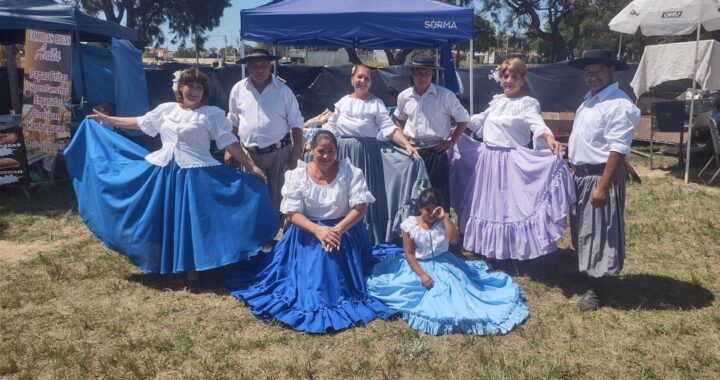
pixel 511 201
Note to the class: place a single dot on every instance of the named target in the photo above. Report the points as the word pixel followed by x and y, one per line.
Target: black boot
pixel 591 300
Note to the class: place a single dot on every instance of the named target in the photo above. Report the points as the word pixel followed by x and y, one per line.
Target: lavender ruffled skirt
pixel 512 203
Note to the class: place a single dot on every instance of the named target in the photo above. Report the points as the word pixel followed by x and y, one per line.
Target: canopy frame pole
pixel 437 63
pixel 82 69
pixel 472 81
pixel 692 105
pixel 274 51
pixel 619 47
pixel 242 55
pixel 13 78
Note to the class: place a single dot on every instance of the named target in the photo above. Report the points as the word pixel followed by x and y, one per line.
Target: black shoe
pixel 589 301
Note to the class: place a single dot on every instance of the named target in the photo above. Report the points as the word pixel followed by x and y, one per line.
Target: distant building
pixel 162 54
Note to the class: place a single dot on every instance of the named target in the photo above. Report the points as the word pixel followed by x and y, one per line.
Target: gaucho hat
pixel 599 56
pixel 423 62
pixel 258 54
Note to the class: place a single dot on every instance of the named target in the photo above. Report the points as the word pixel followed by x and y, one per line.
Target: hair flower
pixel 494 75
pixel 176 80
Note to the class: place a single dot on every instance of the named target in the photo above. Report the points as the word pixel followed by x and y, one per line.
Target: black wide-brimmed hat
pixel 258 54
pixel 423 62
pixel 599 56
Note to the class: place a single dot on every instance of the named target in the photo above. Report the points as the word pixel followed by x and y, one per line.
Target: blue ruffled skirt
pixel 166 219
pixel 465 298
pixel 307 288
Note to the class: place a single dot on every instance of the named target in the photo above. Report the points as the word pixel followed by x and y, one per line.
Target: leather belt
pixel 426 143
pixel 285 141
pixel 588 169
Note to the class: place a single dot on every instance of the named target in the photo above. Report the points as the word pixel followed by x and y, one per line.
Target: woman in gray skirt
pixel 368 137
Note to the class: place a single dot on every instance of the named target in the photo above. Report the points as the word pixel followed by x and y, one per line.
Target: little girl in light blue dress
pixel 438 293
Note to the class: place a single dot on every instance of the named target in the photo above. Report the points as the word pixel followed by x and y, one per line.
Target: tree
pixel 187 19
pixel 483 34
pixel 184 52
pixel 541 19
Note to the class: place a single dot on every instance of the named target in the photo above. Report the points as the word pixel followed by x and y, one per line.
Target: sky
pixel 229 26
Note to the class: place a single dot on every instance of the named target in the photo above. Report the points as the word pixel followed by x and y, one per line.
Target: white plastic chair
pixel 715 137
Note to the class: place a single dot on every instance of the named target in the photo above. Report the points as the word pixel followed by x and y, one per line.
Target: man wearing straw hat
pixel 425 113
pixel 266 117
pixel 601 138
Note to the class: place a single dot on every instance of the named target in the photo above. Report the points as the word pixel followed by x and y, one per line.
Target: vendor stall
pixel 51 34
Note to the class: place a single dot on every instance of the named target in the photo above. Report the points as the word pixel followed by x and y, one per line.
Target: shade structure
pixel 357 23
pixel 668 18
pixel 18 15
pixel 368 24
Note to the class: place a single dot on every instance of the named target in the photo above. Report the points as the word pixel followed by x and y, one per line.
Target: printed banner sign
pixel 13 165
pixel 46 90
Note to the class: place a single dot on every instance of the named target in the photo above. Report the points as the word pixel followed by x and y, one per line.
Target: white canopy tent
pixel 670 18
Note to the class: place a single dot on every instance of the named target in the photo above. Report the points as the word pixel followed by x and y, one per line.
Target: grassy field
pixel 69 308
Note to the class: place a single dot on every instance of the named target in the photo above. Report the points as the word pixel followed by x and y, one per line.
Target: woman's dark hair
pixel 430 197
pixel 108 108
pixel 193 75
pixel 323 134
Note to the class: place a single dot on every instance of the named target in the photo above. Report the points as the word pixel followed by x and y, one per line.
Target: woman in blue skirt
pixel 314 279
pixel 437 292
pixel 176 209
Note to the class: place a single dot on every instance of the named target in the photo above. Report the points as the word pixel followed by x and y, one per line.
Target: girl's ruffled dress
pixel 511 201
pixel 176 209
pixel 363 128
pixel 465 297
pixel 299 283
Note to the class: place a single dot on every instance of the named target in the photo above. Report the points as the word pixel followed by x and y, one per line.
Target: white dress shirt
pixel 428 116
pixel 603 123
pixel 511 122
pixel 334 200
pixel 361 118
pixel 263 118
pixel 186 134
pixel 428 243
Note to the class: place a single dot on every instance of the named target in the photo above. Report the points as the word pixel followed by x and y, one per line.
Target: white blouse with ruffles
pixel 186 134
pixel 334 200
pixel 511 122
pixel 428 243
pixel 361 118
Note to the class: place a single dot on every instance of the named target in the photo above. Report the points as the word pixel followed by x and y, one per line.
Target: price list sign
pixel 46 90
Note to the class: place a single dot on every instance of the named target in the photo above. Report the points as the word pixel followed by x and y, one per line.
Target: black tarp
pixel 556 86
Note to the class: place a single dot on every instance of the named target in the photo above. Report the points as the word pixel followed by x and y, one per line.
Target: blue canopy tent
pixel 363 24
pixel 18 15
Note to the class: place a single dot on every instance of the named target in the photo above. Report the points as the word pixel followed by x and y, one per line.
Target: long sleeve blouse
pixel 361 118
pixel 186 134
pixel 511 122
pixel 334 200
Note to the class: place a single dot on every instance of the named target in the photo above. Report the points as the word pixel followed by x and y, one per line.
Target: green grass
pixel 70 308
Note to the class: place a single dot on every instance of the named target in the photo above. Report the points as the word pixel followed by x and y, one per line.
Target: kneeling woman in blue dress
pixel 439 293
pixel 314 278
pixel 176 209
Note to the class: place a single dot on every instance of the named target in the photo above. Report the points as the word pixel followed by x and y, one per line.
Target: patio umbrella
pixel 670 18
